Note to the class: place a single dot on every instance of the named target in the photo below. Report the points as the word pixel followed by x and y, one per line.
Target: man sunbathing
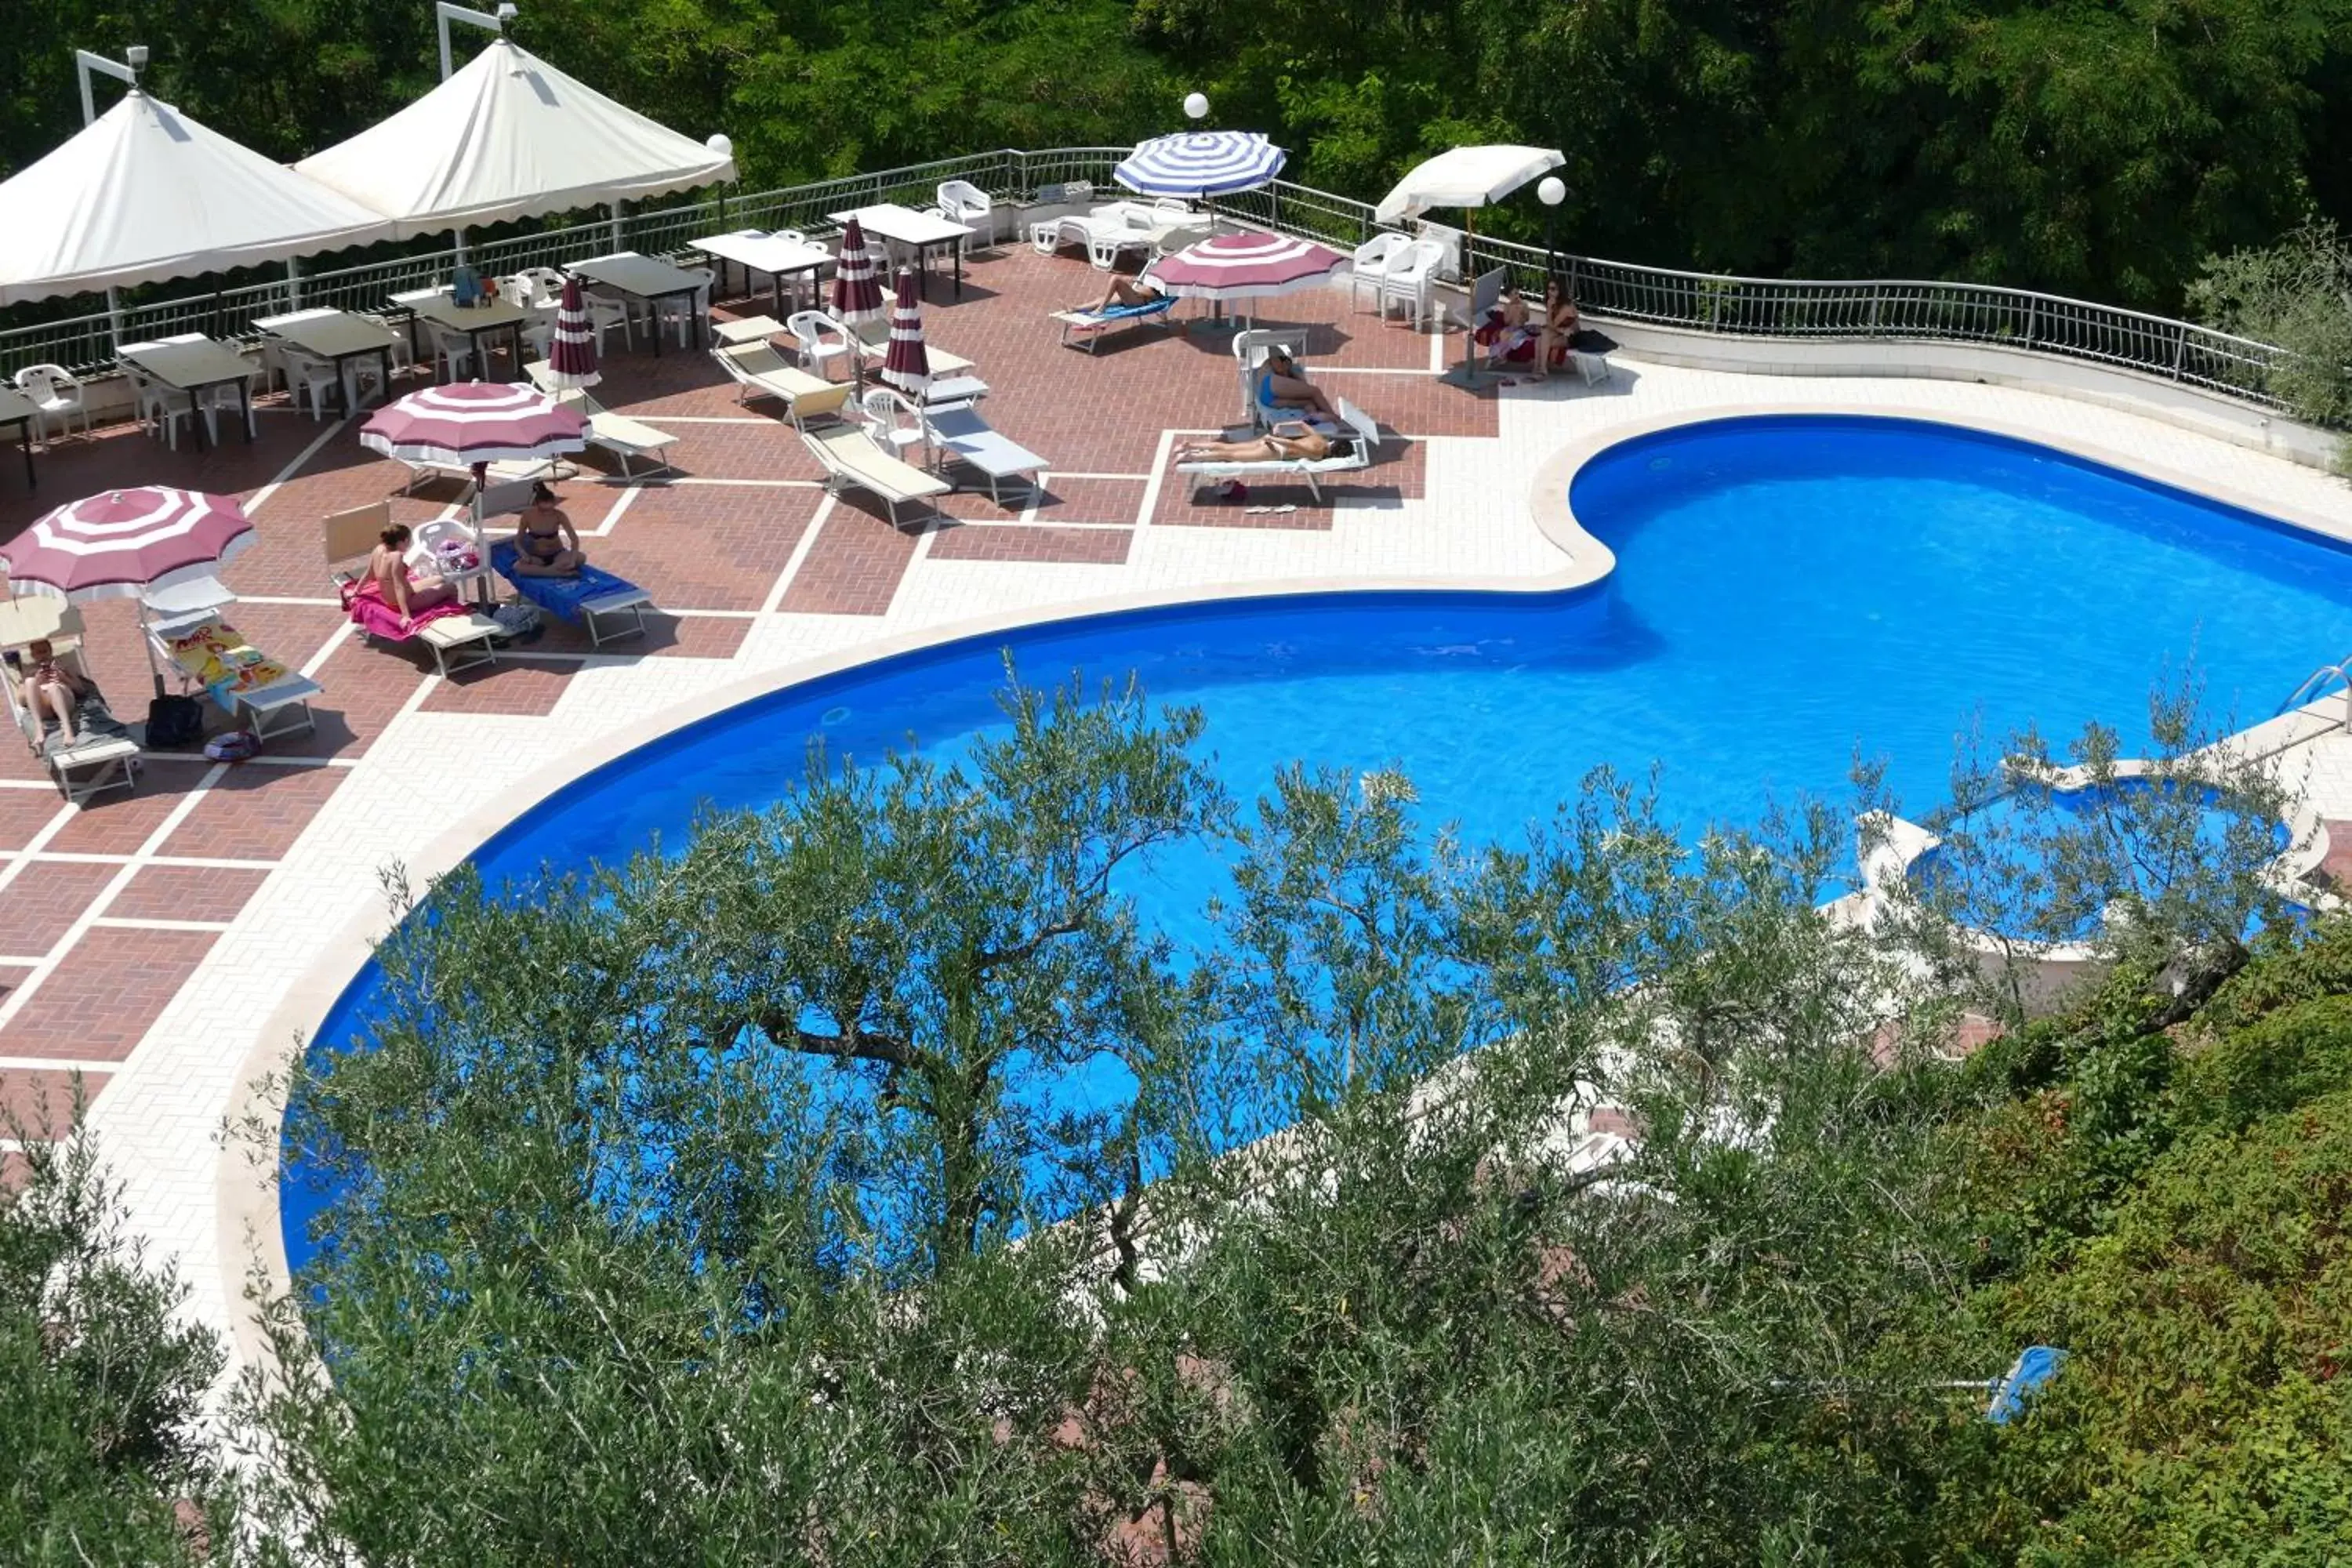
pixel 1293 440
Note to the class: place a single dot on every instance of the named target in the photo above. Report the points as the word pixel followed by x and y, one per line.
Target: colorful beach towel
pixel 217 657
pixel 364 599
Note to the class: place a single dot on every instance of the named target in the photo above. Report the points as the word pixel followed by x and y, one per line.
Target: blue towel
pixel 1149 308
pixel 559 597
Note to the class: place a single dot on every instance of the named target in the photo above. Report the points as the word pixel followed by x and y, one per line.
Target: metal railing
pixel 1882 310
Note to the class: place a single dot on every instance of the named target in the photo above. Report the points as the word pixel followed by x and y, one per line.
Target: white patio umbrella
pixel 1465 177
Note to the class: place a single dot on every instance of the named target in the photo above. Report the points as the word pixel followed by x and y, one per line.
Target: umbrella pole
pixel 147 641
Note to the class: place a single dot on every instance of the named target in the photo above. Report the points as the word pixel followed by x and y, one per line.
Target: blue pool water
pixel 1789 591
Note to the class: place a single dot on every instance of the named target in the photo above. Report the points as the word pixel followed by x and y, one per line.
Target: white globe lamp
pixel 722 145
pixel 1196 106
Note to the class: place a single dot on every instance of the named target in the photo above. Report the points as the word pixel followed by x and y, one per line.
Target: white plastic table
pixel 778 258
pixel 919 231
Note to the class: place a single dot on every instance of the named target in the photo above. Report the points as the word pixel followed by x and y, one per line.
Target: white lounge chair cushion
pixel 971 439
pixel 762 369
pixel 609 429
pixel 851 453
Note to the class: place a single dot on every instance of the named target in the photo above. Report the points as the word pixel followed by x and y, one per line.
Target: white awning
pixel 145 194
pixel 1464 177
pixel 509 136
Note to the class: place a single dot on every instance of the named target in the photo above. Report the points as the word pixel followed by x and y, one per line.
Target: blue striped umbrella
pixel 1201 163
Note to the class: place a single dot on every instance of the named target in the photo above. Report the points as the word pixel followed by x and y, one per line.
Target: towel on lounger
pixel 560 596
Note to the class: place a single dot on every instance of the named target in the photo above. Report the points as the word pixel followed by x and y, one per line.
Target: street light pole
pixel 1551 193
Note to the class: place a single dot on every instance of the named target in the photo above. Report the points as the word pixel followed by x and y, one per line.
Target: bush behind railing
pixel 1739 307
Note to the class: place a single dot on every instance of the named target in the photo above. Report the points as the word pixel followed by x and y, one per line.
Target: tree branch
pixel 855 1045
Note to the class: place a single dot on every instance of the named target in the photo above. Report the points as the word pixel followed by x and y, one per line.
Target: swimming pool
pixel 1789 592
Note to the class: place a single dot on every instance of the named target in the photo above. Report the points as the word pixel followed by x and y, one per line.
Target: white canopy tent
pixel 509 136
pixel 1464 177
pixel 145 194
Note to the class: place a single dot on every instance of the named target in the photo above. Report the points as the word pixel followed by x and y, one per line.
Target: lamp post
pixel 722 145
pixel 133 62
pixel 1551 193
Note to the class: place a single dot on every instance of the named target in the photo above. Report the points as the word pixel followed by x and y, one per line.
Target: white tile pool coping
pixel 436 785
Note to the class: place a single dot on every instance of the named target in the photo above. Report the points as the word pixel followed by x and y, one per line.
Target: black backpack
pixel 174 722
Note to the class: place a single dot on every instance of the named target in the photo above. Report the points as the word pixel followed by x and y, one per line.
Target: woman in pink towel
pixel 409 595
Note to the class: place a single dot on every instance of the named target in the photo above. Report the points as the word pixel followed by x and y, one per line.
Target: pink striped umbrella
pixel 474 422
pixel 572 353
pixel 1249 266
pixel 113 547
pixel 856 282
pixel 906 365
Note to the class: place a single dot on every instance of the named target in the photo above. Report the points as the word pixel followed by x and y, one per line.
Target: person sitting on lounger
pixel 1559 326
pixel 1280 386
pixel 1293 440
pixel 546 544
pixel 389 577
pixel 52 686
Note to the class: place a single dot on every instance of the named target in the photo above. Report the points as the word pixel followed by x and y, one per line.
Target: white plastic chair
pixel 159 408
pixel 1372 262
pixel 606 312
pixel 56 394
pixel 962 202
pixel 453 351
pixel 820 338
pixel 694 310
pixel 1412 278
pixel 893 422
pixel 303 374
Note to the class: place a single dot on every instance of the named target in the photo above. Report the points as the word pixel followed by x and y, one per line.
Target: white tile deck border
pixel 435 785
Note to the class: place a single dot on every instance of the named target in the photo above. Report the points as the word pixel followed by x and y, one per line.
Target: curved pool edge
pixel 246 1189
pixel 249 1225
pixel 1555 515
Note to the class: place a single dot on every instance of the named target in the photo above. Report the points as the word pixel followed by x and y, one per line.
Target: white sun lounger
pixel 188 635
pixel 851 458
pixel 1087 329
pixel 103 756
pixel 1362 427
pixel 625 438
pixel 961 435
pixel 758 371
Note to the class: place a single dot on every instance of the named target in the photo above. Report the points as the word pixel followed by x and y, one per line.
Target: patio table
pixel 339 339
pixel 475 321
pixel 643 277
pixel 779 258
pixel 17 409
pixel 919 231
pixel 195 368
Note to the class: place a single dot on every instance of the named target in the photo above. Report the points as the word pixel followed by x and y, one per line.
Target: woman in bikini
pixel 1293 440
pixel 546 544
pixel 52 686
pixel 390 580
pixel 1560 322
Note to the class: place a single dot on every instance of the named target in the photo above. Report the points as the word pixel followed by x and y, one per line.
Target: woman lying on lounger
pixel 1291 441
pixel 546 544
pixel 1280 386
pixel 1142 290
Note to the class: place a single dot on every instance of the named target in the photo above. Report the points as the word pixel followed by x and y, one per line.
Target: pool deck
pixel 167 942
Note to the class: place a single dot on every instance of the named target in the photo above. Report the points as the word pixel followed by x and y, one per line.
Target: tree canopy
pixel 2102 149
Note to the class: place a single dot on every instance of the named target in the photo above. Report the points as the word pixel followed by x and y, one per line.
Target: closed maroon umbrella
pixel 572 354
pixel 905 366
pixel 474 422
pixel 856 283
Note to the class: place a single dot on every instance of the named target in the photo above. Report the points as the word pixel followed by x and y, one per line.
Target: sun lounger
pixel 207 652
pixel 1091 327
pixel 625 438
pixel 1367 439
pixel 960 434
pixel 445 630
pixel 103 755
pixel 758 371
pixel 851 458
pixel 580 597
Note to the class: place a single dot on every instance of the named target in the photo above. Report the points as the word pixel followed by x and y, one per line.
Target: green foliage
pixel 2100 150
pixel 2297 295
pixel 100 1459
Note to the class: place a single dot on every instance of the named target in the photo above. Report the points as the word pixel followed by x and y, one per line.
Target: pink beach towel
pixel 364 599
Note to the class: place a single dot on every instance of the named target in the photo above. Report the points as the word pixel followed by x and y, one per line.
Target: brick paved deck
pixel 106 910
pixel 146 939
